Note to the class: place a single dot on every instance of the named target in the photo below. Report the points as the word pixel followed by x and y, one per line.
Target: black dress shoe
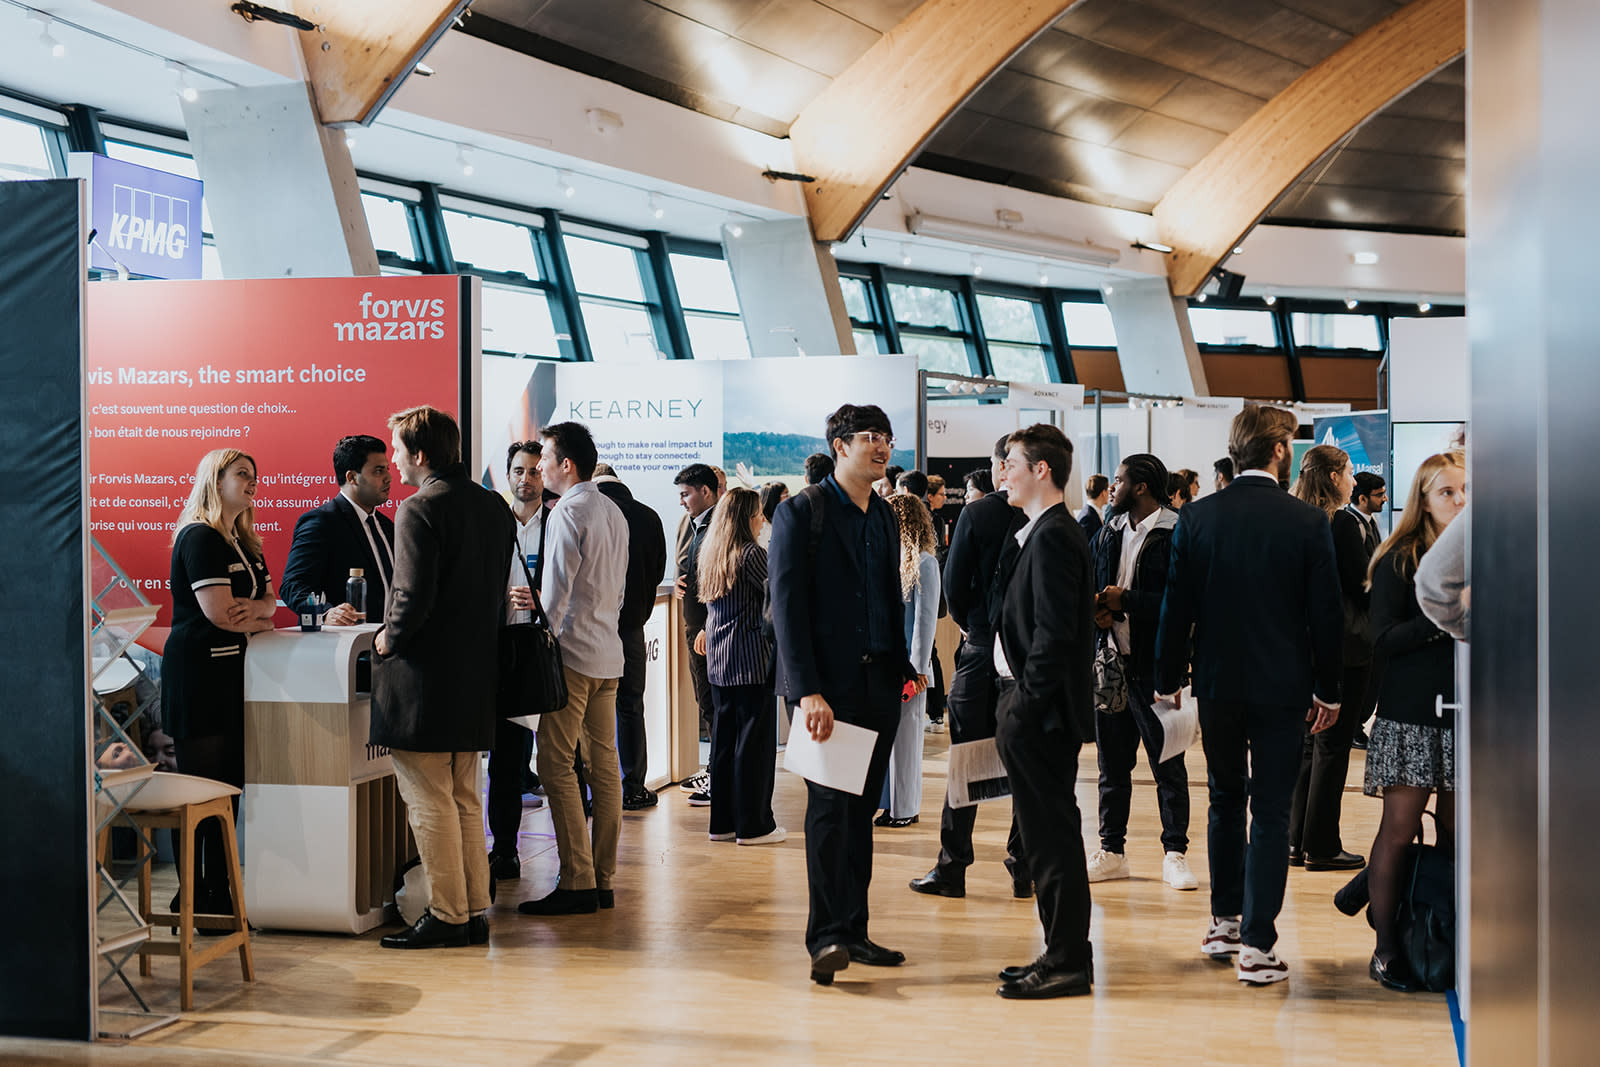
pixel 1044 982
pixel 1297 857
pixel 1359 740
pixel 638 799
pixel 1339 861
pixel 606 898
pixel 429 932
pixel 889 820
pixel 563 902
pixel 937 885
pixel 1018 972
pixel 478 930
pixel 828 961
pixel 1393 975
pixel 504 867
pixel 874 955
pixel 1021 884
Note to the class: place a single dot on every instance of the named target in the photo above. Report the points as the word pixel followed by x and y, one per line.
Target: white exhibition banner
pixel 1044 396
pixel 966 431
pixel 1231 405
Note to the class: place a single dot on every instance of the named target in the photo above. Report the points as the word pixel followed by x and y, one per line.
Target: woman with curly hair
pixel 919 588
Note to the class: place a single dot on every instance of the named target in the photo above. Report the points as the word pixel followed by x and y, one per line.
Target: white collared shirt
pixel 381 550
pixel 1133 538
pixel 1001 667
pixel 585 575
pixel 527 545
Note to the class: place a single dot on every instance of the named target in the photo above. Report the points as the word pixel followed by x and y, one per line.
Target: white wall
pixel 1428 370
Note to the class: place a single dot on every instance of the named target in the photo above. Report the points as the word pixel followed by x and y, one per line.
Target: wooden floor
pixel 702 962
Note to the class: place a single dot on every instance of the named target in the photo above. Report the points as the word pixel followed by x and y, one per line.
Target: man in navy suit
pixel 1097 493
pixel 1255 582
pixel 346 532
pixel 834 579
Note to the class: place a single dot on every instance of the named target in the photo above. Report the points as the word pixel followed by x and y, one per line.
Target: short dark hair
pixel 699 475
pixel 1097 484
pixel 1367 483
pixel 891 474
pixel 818 466
pixel 572 440
pixel 432 432
pixel 1044 443
pixel 852 419
pixel 351 453
pixel 913 482
pixel 1224 467
pixel 1147 470
pixel 1001 446
pixel 533 448
pixel 982 481
pixel 1178 485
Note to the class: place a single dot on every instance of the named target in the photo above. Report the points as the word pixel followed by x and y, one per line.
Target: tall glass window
pixel 1088 325
pixel 864 325
pixel 931 328
pixel 1335 331
pixel 24 154
pixel 710 306
pixel 1232 327
pixel 492 245
pixel 623 326
pixel 1017 345
pixel 389 222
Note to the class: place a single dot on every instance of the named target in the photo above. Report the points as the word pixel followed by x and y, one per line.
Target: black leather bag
pixel 1425 921
pixel 532 681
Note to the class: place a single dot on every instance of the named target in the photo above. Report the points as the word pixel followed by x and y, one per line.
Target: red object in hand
pixel 907 692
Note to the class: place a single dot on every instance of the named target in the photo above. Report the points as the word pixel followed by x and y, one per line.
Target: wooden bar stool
pixel 180 802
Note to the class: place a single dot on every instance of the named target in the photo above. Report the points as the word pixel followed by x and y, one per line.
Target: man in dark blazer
pixel 435 671
pixel 346 532
pixel 699 489
pixel 983 530
pixel 839 622
pixel 1253 580
pixel 1097 494
pixel 1044 649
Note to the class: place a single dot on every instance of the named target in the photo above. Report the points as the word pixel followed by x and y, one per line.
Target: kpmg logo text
pixel 148 222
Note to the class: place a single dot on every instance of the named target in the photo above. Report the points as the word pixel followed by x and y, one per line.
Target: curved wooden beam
pixel 865 128
pixel 1210 209
pixel 365 50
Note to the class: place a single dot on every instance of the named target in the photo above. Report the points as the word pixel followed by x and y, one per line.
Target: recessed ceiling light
pixel 1364 259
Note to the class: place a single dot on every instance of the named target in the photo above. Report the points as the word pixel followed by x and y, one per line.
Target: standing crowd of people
pixel 1284 614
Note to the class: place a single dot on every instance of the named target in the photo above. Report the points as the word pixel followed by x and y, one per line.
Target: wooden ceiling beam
pixel 865 128
pixel 1209 210
pixel 365 49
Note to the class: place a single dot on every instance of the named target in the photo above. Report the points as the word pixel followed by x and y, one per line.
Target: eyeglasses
pixel 873 437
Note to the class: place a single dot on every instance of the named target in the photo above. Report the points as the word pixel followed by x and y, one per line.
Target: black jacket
pixel 983 530
pixel 1417 658
pixel 1141 600
pixel 1254 581
pixel 647 555
pixel 328 541
pixel 1089 518
pixel 694 612
pixel 1047 626
pixel 1353 551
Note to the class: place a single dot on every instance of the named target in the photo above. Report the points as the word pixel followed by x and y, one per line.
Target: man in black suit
pixel 647 562
pixel 346 532
pixel 1253 579
pixel 983 530
pixel 1043 655
pixel 699 489
pixel 1371 494
pixel 1097 493
pixel 839 623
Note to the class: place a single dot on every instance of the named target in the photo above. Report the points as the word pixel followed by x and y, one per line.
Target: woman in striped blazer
pixel 744 740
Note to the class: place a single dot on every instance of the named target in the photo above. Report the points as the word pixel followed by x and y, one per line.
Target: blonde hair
pixel 1416 531
pixel 725 543
pixel 1315 484
pixel 916 537
pixel 205 500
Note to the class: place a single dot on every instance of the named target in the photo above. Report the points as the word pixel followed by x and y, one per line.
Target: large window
pixel 1335 331
pixel 1018 346
pixel 389 222
pixel 931 327
pixel 516 321
pixel 622 324
pixel 505 253
pixel 24 152
pixel 483 244
pixel 864 324
pixel 1232 327
pixel 710 306
pixel 1088 325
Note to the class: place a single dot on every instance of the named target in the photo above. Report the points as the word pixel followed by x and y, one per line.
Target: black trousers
pixel 839 824
pixel 219 757
pixel 631 750
pixel 1118 738
pixel 508 764
pixel 972 705
pixel 744 746
pixel 702 684
pixel 937 700
pixel 1252 758
pixel 1324 768
pixel 1043 768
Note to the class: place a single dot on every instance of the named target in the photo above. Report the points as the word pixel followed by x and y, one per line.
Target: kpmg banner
pixel 147 221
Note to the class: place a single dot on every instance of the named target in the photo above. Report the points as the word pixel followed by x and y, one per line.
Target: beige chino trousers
pixel 445 811
pixel 587 725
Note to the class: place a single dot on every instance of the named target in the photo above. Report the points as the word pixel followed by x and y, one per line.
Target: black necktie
pixel 385 565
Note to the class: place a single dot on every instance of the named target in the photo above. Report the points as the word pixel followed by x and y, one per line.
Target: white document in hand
pixel 976 773
pixel 840 762
pixel 1179 726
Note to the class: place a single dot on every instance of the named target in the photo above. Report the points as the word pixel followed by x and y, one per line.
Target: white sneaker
pixel 1105 866
pixel 720 837
pixel 1261 968
pixel 1176 873
pixel 1222 939
pixel 696 783
pixel 776 837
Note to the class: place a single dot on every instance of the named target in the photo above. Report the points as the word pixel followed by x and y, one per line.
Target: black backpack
pixel 1425 921
pixel 817 497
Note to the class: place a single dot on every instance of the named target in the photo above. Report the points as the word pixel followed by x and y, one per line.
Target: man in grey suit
pixel 435 671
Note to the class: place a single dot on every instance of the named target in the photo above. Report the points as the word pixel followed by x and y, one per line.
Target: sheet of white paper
pixel 976 773
pixel 840 762
pixel 530 721
pixel 1179 726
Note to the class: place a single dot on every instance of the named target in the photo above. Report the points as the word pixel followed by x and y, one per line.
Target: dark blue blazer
pixel 328 541
pixel 1254 579
pixel 817 612
pixel 983 530
pixel 1090 520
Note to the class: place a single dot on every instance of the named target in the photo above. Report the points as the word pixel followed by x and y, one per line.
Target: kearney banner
pixel 279 368
pixel 145 221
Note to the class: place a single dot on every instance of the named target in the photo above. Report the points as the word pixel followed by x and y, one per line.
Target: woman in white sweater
pixel 919 586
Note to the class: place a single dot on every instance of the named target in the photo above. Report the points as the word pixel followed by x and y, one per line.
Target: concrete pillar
pixel 1154 342
pixel 788 288
pixel 280 186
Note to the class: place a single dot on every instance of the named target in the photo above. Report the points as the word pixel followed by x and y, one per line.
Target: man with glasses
pixel 841 644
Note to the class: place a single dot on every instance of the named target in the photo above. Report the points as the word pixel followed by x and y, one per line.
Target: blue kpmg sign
pixel 145 220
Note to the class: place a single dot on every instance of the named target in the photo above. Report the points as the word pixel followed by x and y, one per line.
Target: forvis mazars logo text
pixel 394 320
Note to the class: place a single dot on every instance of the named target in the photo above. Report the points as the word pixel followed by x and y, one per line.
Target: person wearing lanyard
pixel 221 593
pixel 346 532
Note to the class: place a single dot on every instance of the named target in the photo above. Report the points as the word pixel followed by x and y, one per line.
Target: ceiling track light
pixel 1044 275
pixel 1200 298
pixel 735 228
pixel 47 39
pixel 181 74
pixel 977 265
pixel 658 209
pixel 464 160
pixel 905 255
pixel 1351 302
pixel 1424 307
pixel 564 183
pixel 1269 300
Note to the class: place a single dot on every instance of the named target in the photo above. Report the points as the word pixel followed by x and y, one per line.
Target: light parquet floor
pixel 702 961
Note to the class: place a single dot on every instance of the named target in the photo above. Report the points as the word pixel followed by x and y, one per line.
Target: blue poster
pixel 1364 435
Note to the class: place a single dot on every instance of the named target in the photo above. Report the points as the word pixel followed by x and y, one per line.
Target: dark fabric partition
pixel 47 978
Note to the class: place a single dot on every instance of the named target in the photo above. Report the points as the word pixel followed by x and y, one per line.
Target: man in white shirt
pixel 585 571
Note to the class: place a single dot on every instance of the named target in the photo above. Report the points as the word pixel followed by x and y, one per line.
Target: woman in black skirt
pixel 1411 754
pixel 221 592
